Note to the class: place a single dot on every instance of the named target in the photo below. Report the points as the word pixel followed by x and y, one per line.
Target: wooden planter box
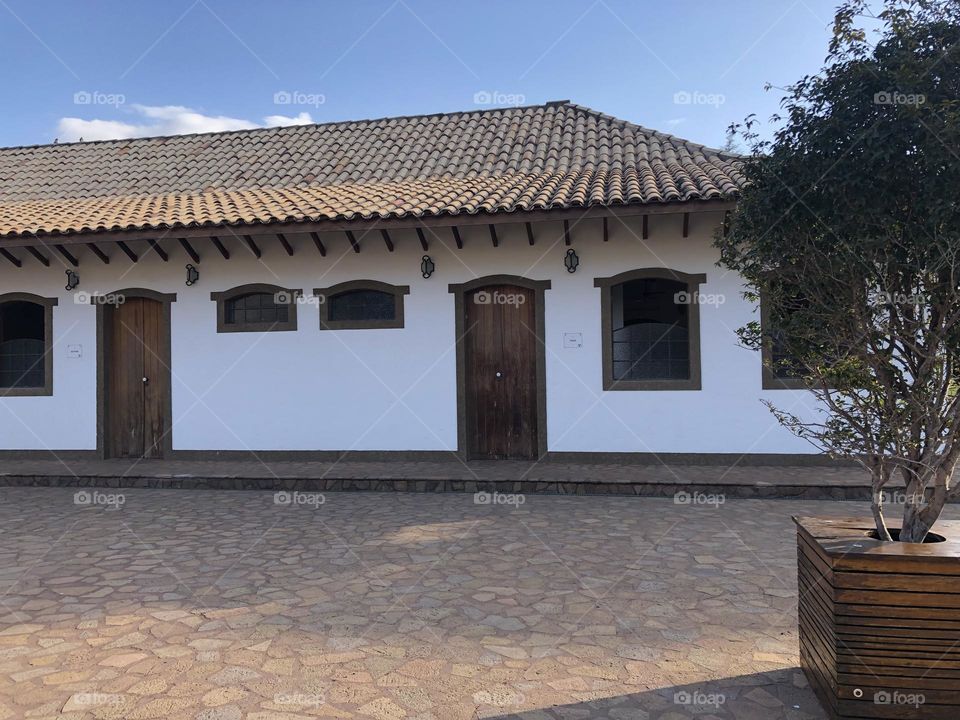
pixel 879 622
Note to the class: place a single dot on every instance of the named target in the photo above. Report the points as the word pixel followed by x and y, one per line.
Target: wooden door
pixel 137 378
pixel 500 352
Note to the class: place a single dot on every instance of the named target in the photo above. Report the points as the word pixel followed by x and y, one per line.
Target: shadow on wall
pixel 776 695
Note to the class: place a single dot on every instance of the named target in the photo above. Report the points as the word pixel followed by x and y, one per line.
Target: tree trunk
pixel 876 505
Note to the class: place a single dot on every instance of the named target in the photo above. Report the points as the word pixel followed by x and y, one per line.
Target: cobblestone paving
pixel 227 605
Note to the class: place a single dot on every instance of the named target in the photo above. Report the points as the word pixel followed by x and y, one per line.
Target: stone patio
pixel 211 605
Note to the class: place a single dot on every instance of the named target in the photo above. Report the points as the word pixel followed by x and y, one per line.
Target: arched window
pixel 361 304
pixel 651 330
pixel 26 337
pixel 256 308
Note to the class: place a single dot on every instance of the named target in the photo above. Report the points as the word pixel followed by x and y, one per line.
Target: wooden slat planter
pixel 879 622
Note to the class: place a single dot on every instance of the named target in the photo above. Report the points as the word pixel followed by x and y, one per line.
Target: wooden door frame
pixel 460 291
pixel 165 299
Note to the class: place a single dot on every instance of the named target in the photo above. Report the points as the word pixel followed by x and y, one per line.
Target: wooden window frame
pixel 398 292
pixel 223 296
pixel 768 378
pixel 692 283
pixel 47 304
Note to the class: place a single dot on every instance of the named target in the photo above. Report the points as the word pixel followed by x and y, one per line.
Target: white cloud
pixel 164 120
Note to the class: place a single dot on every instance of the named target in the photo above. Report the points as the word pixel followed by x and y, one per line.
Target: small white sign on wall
pixel 572 340
pixel 74 351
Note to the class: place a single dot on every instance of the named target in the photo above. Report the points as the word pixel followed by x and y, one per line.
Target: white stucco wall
pixel 395 389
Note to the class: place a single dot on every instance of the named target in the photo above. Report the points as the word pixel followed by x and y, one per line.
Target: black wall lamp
pixel 73 279
pixel 427 267
pixel 571 260
pixel 192 275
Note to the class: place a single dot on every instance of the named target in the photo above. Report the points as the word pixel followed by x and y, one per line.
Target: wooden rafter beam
pixel 67 255
pixel 353 241
pixel 219 246
pixel 686 224
pixel 43 259
pixel 14 260
pixel 127 251
pixel 726 223
pixel 530 238
pixel 566 232
pixel 286 245
pixel 423 239
pixel 316 241
pixel 386 240
pixel 606 235
pixel 99 253
pixel 254 248
pixel 456 237
pixel 194 255
pixel 161 253
pixel 493 236
pixel 646 226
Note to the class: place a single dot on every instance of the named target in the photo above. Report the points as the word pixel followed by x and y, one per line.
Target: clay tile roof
pixel 557 155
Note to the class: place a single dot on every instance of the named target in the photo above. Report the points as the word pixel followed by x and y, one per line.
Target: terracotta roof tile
pixel 557 155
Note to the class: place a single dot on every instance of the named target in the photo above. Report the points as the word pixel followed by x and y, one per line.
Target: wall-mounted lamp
pixel 192 275
pixel 571 260
pixel 427 267
pixel 72 280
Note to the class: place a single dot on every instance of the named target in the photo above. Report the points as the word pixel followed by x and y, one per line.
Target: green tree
pixel 848 232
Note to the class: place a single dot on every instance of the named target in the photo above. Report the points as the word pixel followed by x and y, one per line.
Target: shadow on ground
pixel 778 695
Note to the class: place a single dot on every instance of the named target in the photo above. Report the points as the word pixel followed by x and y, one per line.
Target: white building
pixel 403 284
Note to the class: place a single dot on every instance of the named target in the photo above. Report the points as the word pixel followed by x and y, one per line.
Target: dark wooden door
pixel 500 351
pixel 137 379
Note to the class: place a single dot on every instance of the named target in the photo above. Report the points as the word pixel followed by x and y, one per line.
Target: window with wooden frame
pixel 26 342
pixel 361 304
pixel 256 308
pixel 780 371
pixel 650 322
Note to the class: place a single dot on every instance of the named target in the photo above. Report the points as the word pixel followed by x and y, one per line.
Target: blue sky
pixel 103 68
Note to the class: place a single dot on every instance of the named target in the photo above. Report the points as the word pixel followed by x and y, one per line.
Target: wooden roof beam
pixel 219 246
pixel 566 232
pixel 456 237
pixel 686 224
pixel 606 234
pixel 423 239
pixel 254 248
pixel 353 241
pixel 386 240
pixel 14 260
pixel 493 236
pixel 194 255
pixel 126 249
pixel 646 226
pixel 316 241
pixel 67 255
pixel 43 259
pixel 530 238
pixel 159 250
pixel 286 245
pixel 99 253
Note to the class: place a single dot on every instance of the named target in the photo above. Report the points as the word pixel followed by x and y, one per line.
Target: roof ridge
pixel 274 128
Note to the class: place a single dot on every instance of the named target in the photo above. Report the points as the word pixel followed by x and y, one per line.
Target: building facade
pixel 578 327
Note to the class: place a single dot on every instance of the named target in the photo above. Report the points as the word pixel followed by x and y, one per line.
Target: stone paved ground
pixel 226 605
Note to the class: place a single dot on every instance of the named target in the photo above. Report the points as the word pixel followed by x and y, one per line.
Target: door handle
pixel 146 380
pixel 499 374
